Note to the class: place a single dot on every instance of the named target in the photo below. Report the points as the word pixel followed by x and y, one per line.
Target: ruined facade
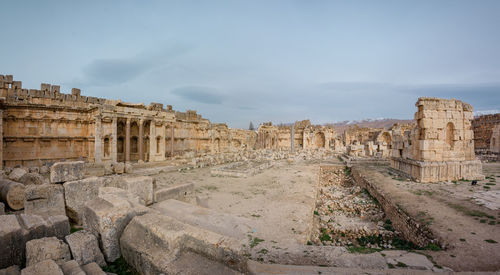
pixel 300 135
pixel 368 142
pixel 441 146
pixel 495 139
pixel 483 126
pixel 43 126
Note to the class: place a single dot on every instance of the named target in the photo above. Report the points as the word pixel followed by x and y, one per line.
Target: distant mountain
pixel 386 123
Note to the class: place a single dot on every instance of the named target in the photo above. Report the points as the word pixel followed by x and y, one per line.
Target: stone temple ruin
pixel 92 184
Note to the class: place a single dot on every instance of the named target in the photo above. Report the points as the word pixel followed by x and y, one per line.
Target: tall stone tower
pixel 441 147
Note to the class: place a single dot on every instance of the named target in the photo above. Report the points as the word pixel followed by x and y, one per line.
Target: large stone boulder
pixel 66 171
pixel 79 192
pixel 164 240
pixel 47 267
pixel 49 248
pixel 15 231
pixel 31 178
pixel 85 248
pixel 106 218
pixel 119 167
pixel 16 174
pixel 141 186
pixel 44 200
pixel 72 268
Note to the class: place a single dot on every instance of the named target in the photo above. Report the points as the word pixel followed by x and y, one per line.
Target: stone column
pixel 141 139
pixel 1 139
pixel 152 141
pixel 98 140
pixel 162 141
pixel 127 141
pixel 172 141
pixel 292 139
pixel 114 140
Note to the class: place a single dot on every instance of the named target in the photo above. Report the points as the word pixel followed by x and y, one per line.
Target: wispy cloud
pixel 200 94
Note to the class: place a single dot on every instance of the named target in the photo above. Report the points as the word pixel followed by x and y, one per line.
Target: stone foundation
pixel 436 171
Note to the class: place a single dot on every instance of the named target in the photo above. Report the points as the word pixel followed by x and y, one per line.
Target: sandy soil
pixel 450 211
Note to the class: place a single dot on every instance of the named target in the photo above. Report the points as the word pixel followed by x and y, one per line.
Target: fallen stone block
pixel 44 200
pixel 85 248
pixel 93 269
pixel 47 267
pixel 182 192
pixel 58 226
pixel 16 174
pixel 49 248
pixel 163 239
pixel 11 240
pixel 72 268
pixel 209 219
pixel 11 270
pixel 128 168
pixel 202 200
pixel 78 192
pixel 34 226
pixel 122 193
pixel 31 178
pixel 119 167
pixel 106 218
pixel 141 186
pixel 66 171
pixel 108 168
pixel 12 194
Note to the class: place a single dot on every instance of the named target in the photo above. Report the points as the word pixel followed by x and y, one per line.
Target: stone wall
pixel 483 126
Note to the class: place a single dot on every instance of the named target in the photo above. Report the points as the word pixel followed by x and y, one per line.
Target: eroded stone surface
pixel 46 267
pixel 66 171
pixel 44 200
pixel 85 248
pixel 79 192
pixel 49 248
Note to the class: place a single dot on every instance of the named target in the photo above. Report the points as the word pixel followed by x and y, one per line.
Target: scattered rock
pixel 119 167
pixel 11 270
pixel 66 171
pixel 78 192
pixel 141 186
pixel 31 178
pixel 44 200
pixel 93 269
pixel 72 268
pixel 85 248
pixel 49 248
pixel 16 174
pixel 47 267
pixel 128 168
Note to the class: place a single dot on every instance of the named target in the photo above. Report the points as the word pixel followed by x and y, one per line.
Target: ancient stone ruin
pixel 98 186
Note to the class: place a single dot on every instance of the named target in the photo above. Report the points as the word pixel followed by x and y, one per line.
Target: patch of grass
pixel 490 183
pixel 486 187
pixel 433 247
pixel 453 256
pixel 388 225
pixel 473 233
pixel 316 213
pixel 210 187
pixel 347 171
pixel 490 241
pixel 74 229
pixel 263 251
pixel 362 249
pixel 309 243
pixel 469 212
pixel 391 266
pixel 462 240
pixel 255 241
pixel 324 237
pixel 491 223
pixel 400 264
pixel 482 220
pixel 255 215
pixel 120 267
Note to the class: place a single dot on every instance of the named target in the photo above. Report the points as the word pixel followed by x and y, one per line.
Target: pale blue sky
pixel 241 61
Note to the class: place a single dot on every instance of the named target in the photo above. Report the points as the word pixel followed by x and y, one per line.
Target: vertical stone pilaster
pixel 98 140
pixel 172 141
pixel 127 141
pixel 141 139
pixel 114 140
pixel 152 141
pixel 292 139
pixel 1 139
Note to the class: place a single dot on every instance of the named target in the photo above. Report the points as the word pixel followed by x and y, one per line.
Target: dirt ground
pixel 469 228
pixel 279 201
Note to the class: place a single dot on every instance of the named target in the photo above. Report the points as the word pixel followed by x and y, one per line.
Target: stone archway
pixel 319 140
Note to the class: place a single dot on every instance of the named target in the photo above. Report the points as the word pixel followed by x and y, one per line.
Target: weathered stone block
pixel 47 267
pixel 66 171
pixel 181 192
pixel 31 178
pixel 106 218
pixel 11 235
pixel 16 174
pixel 119 167
pixel 2 208
pixel 77 193
pixel 85 248
pixel 72 268
pixel 93 269
pixel 164 239
pixel 44 200
pixel 49 248
pixel 128 168
pixel 58 226
pixel 11 270
pixel 141 186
